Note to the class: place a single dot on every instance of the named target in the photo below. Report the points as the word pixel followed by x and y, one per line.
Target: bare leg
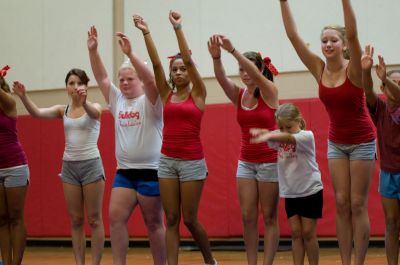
pixel 297 240
pixel 248 197
pixel 93 196
pixel 309 234
pixel 392 220
pixel 5 236
pixel 74 198
pixel 153 216
pixel 169 189
pixel 340 174
pixel 361 173
pixel 269 199
pixel 122 203
pixel 191 193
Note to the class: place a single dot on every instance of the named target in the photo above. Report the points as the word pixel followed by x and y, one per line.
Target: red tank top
pixel 261 116
pixel 181 132
pixel 349 119
pixel 11 153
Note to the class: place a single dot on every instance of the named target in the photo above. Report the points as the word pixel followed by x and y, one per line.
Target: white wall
pixel 256 25
pixel 43 39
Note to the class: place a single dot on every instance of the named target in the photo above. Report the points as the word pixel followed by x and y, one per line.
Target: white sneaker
pixel 215 263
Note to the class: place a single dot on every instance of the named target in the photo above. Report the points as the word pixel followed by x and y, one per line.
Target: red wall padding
pixel 46 213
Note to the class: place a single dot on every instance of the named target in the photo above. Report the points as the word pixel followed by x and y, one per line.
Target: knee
pixel 190 222
pixel 4 220
pixel 296 234
pixel 308 235
pixel 249 217
pixel 95 220
pixel 392 225
pixel 77 221
pixel 154 223
pixel 172 219
pixel 343 206
pixel 270 220
pixel 15 218
pixel 358 205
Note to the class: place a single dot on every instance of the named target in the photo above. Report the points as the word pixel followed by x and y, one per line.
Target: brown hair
pixel 342 35
pixel 79 73
pixel 4 86
pixel 289 112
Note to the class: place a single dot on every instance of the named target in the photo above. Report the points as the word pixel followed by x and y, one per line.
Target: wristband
pixel 233 50
pixel 144 34
pixel 177 26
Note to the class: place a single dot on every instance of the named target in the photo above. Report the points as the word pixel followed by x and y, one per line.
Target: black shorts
pixel 309 207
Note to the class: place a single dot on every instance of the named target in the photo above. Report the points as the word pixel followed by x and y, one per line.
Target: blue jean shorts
pixel 364 151
pixel 184 170
pixel 389 184
pixel 14 176
pixel 267 172
pixel 80 173
pixel 143 181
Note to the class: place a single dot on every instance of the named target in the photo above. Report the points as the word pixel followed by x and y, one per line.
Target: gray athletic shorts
pixel 184 170
pixel 267 172
pixel 83 172
pixel 14 176
pixel 364 151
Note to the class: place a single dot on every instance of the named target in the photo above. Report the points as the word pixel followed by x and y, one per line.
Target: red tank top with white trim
pixel 260 116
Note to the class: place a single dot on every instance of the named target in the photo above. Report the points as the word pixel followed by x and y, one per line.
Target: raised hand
pixel 225 43
pixel 175 18
pixel 81 92
pixel 19 89
pixel 381 69
pixel 367 58
pixel 214 47
pixel 140 23
pixel 124 43
pixel 92 39
pixel 259 135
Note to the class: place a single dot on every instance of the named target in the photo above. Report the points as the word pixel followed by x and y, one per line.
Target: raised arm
pixel 353 43
pixel 99 71
pixel 52 112
pixel 144 73
pixel 161 81
pixel 263 135
pixel 367 83
pixel 392 87
pixel 312 61
pixel 229 87
pixel 93 110
pixel 268 89
pixel 199 89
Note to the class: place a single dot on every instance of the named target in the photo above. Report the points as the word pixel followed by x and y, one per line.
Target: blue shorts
pixel 364 151
pixel 389 184
pixel 267 172
pixel 183 170
pixel 143 181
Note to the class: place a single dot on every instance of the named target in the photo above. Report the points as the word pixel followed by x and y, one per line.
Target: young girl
pixel 182 168
pixel 299 179
pixel 82 171
pixel 257 178
pixel 351 143
pixel 383 113
pixel 14 178
pixel 137 111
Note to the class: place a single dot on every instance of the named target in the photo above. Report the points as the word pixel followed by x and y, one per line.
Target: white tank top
pixel 81 135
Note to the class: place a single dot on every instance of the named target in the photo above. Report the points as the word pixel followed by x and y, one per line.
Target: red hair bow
pixel 3 71
pixel 270 66
pixel 177 56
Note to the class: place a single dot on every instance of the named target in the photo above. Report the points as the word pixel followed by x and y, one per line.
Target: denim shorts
pixel 184 170
pixel 143 181
pixel 267 172
pixel 389 184
pixel 83 172
pixel 14 176
pixel 364 151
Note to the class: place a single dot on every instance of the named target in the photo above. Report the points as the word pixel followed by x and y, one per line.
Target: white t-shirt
pixel 138 130
pixel 298 172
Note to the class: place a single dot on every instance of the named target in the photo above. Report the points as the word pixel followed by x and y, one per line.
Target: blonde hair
pixel 342 35
pixel 289 112
pixel 127 65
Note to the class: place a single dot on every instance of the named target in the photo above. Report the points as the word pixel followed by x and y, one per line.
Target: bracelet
pixel 233 50
pixel 177 26
pixel 216 58
pixel 144 34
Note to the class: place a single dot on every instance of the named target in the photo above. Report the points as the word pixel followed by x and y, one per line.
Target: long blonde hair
pixel 342 35
pixel 289 112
